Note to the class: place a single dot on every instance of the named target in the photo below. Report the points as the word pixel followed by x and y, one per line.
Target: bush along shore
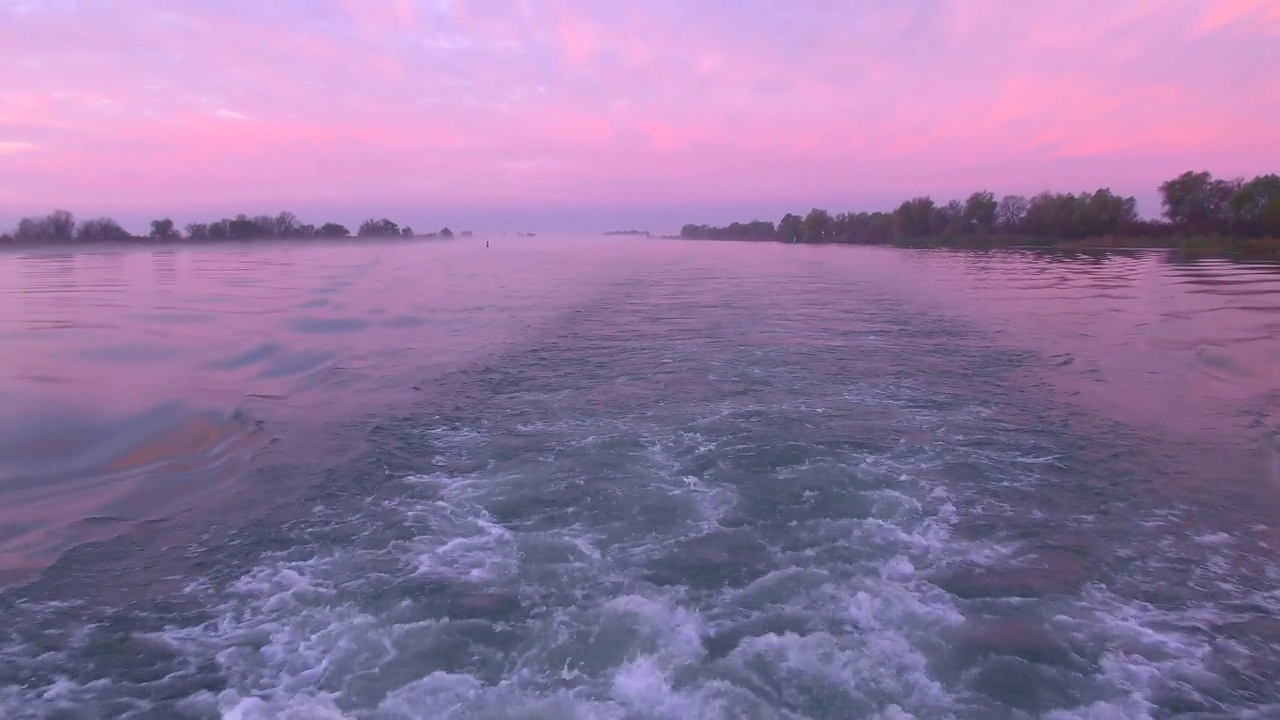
pixel 61 227
pixel 1201 215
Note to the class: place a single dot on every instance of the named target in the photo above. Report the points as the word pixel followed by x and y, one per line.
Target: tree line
pixel 1193 202
pixel 61 226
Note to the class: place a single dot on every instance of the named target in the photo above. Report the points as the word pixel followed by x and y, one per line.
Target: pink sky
pixel 585 114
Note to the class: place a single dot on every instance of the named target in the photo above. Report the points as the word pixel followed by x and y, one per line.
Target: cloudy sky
pixel 599 114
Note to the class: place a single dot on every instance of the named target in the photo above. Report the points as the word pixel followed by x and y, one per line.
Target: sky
pixel 586 115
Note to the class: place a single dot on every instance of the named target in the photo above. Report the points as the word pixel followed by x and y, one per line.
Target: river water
pixel 599 478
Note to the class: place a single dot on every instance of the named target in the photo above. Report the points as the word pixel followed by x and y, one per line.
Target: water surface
pixel 629 478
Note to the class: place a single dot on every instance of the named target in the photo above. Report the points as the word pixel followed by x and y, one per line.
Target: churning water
pixel 637 479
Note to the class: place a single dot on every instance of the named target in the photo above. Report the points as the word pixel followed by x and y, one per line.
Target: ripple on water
pixel 446 609
pixel 328 324
pixel 879 530
pixel 66 479
pixel 674 616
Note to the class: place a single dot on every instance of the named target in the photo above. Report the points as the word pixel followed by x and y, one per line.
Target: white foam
pixel 461 539
pixel 609 644
pixel 62 694
pixel 676 630
pixel 61 689
pixel 714 501
pixel 307 641
pixel 1143 654
pixel 1213 539
pixel 642 683
pixel 303 707
pixel 459 436
pixel 1131 708
pixel 584 544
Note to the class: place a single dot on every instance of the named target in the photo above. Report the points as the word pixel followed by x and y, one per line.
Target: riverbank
pixel 1202 215
pixel 185 242
pixel 61 227
pixel 1188 245
pixel 1197 245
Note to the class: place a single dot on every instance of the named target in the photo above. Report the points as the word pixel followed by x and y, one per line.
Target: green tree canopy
pixel 913 219
pixel 164 230
pixel 1196 200
pixel 378 228
pixel 57 226
pixel 101 230
pixel 330 229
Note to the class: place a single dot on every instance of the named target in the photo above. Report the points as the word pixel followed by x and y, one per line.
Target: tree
pixel 378 228
pixel 1102 213
pixel 29 230
pixel 980 212
pixel 197 231
pixel 1051 215
pixel 284 225
pixel 333 230
pixel 816 226
pixel 57 226
pixel 407 231
pixel 101 230
pixel 948 220
pixel 1011 211
pixel 306 230
pixel 242 227
pixel 62 225
pixel 445 232
pixel 265 224
pixel 1196 200
pixel 879 228
pixel 1269 222
pixel 913 219
pixel 791 228
pixel 164 230
pixel 845 226
pixel 1250 207
pixel 754 230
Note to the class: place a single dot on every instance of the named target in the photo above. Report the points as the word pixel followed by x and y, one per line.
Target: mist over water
pixel 626 478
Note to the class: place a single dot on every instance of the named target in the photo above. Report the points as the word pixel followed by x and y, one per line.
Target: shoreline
pixel 1190 246
pixel 149 242
pixel 1203 216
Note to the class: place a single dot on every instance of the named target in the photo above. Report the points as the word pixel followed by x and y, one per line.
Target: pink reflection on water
pixel 1180 347
pixel 144 366
pixel 131 380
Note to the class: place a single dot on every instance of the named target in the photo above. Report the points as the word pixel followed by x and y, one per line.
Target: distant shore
pixel 61 228
pixel 1264 248
pixel 150 242
pixel 1203 215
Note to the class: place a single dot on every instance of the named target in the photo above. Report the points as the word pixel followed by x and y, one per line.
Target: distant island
pixel 1203 215
pixel 645 233
pixel 61 227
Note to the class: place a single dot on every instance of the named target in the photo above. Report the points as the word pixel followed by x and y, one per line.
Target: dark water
pixel 637 479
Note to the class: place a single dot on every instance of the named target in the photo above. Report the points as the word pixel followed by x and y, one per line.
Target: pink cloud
pixel 576 103
pixel 1258 14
